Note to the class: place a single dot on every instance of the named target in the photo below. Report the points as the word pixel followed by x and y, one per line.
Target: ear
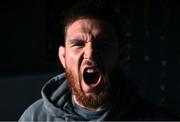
pixel 61 55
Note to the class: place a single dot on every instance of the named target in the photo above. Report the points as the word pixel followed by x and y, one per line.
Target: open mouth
pixel 91 76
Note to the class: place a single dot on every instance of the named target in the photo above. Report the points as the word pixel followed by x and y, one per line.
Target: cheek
pixel 72 61
pixel 72 64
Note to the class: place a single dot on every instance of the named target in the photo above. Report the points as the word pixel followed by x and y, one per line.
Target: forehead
pixel 84 26
pixel 85 29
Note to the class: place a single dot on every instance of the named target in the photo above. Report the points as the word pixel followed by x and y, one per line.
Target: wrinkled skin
pixel 89 44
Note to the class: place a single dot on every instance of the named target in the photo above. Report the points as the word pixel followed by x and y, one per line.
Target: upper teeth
pixel 90 71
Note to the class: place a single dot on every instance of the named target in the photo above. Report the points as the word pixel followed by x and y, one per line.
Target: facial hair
pixel 86 101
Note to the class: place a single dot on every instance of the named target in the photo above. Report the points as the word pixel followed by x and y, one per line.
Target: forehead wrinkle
pixel 87 36
pixel 90 32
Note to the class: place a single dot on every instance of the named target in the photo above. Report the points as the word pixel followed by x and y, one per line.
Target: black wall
pixel 30 37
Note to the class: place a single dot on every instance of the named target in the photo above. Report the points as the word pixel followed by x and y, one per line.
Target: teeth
pixel 90 70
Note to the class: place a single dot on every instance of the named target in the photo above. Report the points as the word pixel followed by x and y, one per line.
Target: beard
pixel 102 97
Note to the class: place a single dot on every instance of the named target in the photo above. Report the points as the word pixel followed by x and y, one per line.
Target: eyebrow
pixel 75 40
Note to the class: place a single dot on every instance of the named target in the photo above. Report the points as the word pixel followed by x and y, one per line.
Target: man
pixel 92 87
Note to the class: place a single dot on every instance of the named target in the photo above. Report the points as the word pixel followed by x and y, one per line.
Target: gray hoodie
pixel 57 105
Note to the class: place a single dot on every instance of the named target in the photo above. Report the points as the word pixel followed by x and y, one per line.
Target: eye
pixel 77 43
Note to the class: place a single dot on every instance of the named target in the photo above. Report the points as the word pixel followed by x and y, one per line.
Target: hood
pixel 56 97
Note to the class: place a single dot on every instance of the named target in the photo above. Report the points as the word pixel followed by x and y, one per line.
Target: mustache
pixel 91 63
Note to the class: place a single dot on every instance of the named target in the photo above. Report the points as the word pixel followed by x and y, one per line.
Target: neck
pixel 88 108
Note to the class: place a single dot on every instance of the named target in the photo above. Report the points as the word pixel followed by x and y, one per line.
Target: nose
pixel 88 51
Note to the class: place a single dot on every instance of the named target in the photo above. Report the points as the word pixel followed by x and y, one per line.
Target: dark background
pixel 30 37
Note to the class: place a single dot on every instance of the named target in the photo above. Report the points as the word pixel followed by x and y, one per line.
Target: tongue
pixel 91 78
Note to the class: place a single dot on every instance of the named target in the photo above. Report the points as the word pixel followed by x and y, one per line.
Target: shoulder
pixel 33 111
